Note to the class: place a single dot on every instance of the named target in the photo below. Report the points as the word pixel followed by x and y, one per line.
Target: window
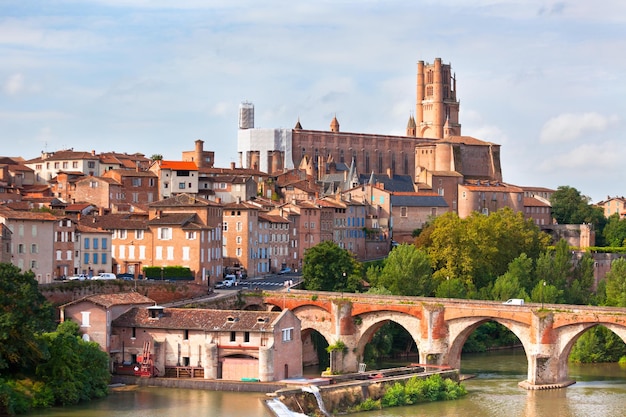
pixel 403 212
pixel 181 185
pixel 139 234
pixel 103 258
pixel 95 259
pixel 239 240
pixel 86 259
pixel 104 243
pixel 136 182
pixel 225 227
pixel 165 233
pixel 87 243
pixel 246 337
pixel 133 333
pixel 191 235
pixel 185 334
pixel 233 336
pixel 84 318
pixel 33 264
pixel 95 243
pixel 122 234
pixel 20 248
pixel 239 227
pixel 91 164
pixel 287 334
pixel 75 164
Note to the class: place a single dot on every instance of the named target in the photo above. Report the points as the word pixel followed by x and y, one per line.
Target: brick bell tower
pixel 437 105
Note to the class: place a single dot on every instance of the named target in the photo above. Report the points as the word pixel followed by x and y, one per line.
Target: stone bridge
pixel 440 327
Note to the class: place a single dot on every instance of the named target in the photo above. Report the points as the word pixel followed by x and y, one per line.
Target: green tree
pixel 569 206
pixel 327 267
pixel 580 288
pixel 615 231
pixel 76 370
pixel 24 313
pixel 615 281
pixel 451 288
pixel 546 293
pixel 406 271
pixel 508 286
pixel 555 267
pixel 479 248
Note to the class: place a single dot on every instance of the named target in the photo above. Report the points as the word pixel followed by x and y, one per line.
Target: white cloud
pixel 14 84
pixel 570 126
pixel 603 156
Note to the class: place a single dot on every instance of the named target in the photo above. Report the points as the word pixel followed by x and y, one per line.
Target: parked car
pixel 104 275
pixel 285 270
pixel 128 277
pixel 514 301
pixel 79 277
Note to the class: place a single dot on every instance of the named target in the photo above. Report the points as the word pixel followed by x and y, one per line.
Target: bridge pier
pixel 547 369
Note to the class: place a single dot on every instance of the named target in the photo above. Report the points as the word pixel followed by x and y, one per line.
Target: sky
pixel 544 79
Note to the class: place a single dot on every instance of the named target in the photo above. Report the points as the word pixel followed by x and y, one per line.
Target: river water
pixel 600 391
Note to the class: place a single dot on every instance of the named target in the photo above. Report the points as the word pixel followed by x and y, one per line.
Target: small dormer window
pixel 230 319
pixel 155 312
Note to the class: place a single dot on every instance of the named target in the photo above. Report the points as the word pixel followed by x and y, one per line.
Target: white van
pixel 514 301
pixel 105 275
pixel 230 280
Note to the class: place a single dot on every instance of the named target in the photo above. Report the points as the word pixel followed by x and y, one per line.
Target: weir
pixel 320 401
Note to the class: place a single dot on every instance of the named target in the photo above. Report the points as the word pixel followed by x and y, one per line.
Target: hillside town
pixel 81 212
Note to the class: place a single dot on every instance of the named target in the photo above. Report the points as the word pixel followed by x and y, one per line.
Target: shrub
pixel 416 390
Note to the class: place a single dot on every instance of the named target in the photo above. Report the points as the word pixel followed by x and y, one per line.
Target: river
pixel 600 391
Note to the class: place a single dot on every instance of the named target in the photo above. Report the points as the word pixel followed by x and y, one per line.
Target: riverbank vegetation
pixel 42 367
pixel 414 391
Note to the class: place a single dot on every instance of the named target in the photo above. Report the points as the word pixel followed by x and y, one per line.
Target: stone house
pixel 32 237
pixel 217 344
pixel 275 240
pixel 102 192
pixel 484 196
pixel 176 177
pixel 242 244
pixel 139 188
pixel 49 164
pixel 613 205
pixel 95 313
pixel 410 211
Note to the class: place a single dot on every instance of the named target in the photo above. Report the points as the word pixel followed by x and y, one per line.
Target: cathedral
pixel 433 153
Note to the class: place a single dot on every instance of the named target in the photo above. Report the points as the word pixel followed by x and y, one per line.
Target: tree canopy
pixel 569 206
pixel 479 248
pixel 327 267
pixel 24 313
pixel 406 271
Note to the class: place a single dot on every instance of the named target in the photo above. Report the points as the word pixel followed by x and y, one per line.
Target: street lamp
pixel 343 283
pixel 448 285
pixel 541 289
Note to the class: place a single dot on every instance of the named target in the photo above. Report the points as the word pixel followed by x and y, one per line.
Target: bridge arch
pixel 569 335
pixel 461 329
pixel 371 322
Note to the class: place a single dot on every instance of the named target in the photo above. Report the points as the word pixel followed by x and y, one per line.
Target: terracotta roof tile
pixel 199 319
pixel 109 300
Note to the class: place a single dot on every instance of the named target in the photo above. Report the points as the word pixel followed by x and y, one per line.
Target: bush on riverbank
pixel 415 391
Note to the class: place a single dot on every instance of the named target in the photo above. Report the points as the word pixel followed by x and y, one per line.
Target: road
pixel 271 282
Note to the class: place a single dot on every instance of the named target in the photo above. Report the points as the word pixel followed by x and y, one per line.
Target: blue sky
pixel 545 79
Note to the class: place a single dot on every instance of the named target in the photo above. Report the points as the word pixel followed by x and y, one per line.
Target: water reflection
pixel 600 391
